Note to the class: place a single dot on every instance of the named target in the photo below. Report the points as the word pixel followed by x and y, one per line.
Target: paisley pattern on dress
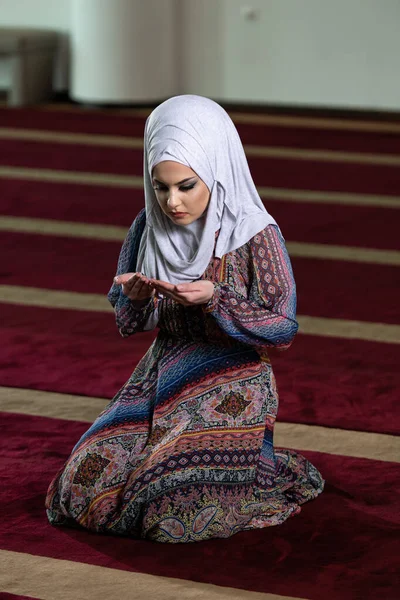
pixel 184 451
pixel 232 405
pixel 90 469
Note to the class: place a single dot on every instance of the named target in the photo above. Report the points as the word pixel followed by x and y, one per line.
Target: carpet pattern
pixel 329 183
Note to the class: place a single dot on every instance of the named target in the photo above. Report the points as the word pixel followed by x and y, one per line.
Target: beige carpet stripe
pixel 117 234
pixel 392 128
pixel 322 197
pixel 30 296
pixel 281 194
pixel 55 579
pixel 342 328
pixel 388 127
pixel 50 404
pixel 73 229
pixel 77 177
pixel 349 329
pixel 347 253
pixel 356 444
pixel 389 160
pixel 376 446
pixel 60 137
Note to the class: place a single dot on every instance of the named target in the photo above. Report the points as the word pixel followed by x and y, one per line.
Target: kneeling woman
pixel 184 452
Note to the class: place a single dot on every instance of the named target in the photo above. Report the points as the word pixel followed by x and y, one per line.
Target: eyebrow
pixel 178 183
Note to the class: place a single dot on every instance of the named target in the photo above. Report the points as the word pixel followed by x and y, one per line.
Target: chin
pixel 182 220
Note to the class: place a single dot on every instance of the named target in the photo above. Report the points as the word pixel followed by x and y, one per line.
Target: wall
pixel 123 50
pixel 317 52
pixel 201 62
pixel 46 14
pixel 342 53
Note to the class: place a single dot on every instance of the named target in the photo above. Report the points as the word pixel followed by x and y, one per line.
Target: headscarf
pixel 198 133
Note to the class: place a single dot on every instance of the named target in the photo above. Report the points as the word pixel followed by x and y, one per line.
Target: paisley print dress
pixel 184 451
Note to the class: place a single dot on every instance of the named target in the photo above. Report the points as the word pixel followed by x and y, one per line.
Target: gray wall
pixel 342 53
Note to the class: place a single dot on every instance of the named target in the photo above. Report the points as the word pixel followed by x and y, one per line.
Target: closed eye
pixel 186 188
pixel 183 188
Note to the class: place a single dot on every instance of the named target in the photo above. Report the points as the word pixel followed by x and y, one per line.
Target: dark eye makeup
pixel 158 187
pixel 186 188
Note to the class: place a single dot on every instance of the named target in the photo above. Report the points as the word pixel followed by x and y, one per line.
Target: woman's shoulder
pixel 268 240
pixel 139 223
pixel 270 229
pixel 270 234
pixel 140 218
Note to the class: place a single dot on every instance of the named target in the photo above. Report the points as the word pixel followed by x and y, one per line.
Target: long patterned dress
pixel 184 452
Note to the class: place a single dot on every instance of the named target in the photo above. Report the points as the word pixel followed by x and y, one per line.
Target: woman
pixel 184 452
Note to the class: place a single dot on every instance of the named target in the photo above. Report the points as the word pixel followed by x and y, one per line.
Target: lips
pixel 178 214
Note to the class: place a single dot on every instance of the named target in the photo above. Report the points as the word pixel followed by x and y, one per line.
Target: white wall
pixel 202 51
pixel 343 53
pixel 318 52
pixel 123 50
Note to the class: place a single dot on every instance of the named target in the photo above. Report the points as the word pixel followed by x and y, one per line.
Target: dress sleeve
pixel 131 318
pixel 267 316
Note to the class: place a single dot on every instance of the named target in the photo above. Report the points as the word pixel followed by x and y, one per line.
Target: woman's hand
pixel 188 294
pixel 135 286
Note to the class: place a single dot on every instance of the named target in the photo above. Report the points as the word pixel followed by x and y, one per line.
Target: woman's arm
pixel 267 317
pixel 131 317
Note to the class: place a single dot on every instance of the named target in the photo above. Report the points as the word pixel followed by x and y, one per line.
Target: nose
pixel 173 199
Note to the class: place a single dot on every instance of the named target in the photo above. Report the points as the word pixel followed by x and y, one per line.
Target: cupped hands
pixel 135 286
pixel 138 287
pixel 188 294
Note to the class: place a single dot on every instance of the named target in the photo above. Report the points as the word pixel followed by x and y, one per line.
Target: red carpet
pixel 336 536
pixel 274 172
pixel 330 224
pixel 327 288
pixel 343 545
pixel 91 122
pixel 84 203
pixel 333 382
pixel 304 222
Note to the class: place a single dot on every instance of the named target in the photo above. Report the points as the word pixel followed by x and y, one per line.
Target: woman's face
pixel 181 194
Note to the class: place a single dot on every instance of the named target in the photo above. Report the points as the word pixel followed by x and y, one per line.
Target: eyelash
pixel 161 188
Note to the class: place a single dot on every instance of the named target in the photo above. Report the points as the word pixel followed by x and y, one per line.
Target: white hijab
pixel 199 134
